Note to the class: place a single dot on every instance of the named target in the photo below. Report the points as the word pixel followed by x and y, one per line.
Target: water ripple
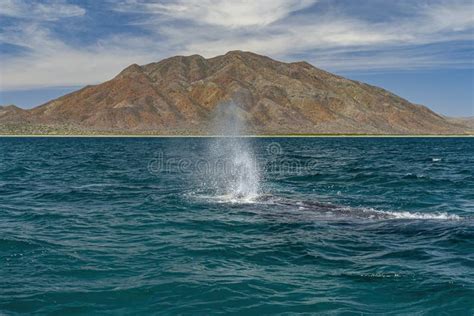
pixel 375 226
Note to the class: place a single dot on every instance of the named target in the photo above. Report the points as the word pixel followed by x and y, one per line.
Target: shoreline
pixel 246 136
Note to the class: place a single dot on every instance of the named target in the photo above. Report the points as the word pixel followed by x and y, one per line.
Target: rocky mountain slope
pixel 466 121
pixel 180 95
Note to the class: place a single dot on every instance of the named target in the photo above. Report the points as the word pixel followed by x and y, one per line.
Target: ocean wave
pixel 416 176
pixel 17 244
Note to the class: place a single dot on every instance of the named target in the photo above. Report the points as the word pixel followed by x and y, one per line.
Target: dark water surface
pixel 330 225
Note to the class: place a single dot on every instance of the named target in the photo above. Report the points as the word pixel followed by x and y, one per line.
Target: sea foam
pixel 412 215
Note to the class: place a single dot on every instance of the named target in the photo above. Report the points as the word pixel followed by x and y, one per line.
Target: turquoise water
pixel 151 225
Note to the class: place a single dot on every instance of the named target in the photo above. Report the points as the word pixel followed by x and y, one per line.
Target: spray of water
pixel 236 176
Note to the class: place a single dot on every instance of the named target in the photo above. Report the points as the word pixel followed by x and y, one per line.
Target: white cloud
pixel 46 11
pixel 327 33
pixel 227 13
pixel 451 16
pixel 50 62
pixel 333 40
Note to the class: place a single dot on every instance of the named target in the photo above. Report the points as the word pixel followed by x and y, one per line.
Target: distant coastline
pixel 249 136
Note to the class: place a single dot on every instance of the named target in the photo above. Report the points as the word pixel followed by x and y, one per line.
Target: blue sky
pixel 422 50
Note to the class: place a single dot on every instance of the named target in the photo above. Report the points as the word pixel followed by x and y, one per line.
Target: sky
pixel 422 50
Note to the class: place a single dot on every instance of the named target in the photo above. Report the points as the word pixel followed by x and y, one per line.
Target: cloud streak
pixel 225 13
pixel 57 64
pixel 316 31
pixel 32 10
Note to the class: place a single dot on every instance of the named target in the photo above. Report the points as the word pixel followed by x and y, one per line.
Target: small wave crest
pixel 373 214
pixel 411 215
pixel 233 198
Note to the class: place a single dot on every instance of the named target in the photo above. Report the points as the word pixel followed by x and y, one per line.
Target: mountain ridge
pixel 178 95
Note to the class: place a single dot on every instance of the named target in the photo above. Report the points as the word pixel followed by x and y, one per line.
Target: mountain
pixel 466 121
pixel 181 94
pixel 13 114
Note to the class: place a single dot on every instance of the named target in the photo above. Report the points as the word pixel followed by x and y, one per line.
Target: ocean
pixel 248 226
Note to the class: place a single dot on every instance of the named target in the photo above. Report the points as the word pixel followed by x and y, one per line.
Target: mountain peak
pixel 133 69
pixel 10 107
pixel 245 55
pixel 239 53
